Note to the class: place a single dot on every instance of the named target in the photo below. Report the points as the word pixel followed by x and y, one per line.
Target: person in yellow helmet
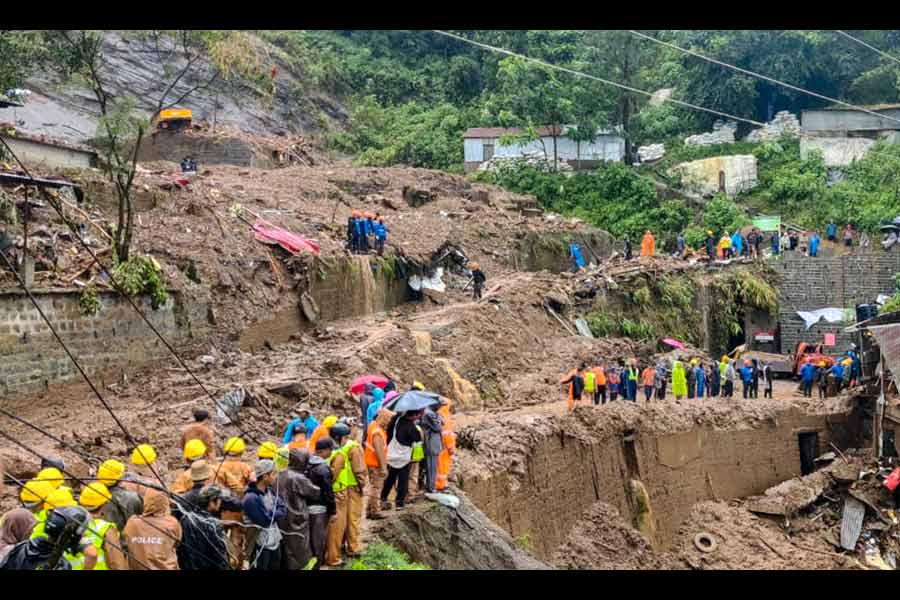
pixel 58 498
pixel 822 379
pixel 710 244
pixel 125 504
pixel 266 451
pixel 141 476
pixel 320 431
pixel 243 474
pixel 194 451
pixel 34 493
pixel 102 534
pixel 51 475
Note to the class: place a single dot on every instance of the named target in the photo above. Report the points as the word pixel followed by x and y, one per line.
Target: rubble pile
pixel 651 153
pixel 784 123
pixel 536 159
pixel 722 133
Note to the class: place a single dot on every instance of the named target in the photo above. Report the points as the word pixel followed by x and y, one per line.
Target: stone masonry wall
pixel 206 151
pixel 117 337
pixel 837 282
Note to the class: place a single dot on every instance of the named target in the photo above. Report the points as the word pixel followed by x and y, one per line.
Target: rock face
pixel 784 123
pixel 133 71
pixel 446 538
pixel 705 176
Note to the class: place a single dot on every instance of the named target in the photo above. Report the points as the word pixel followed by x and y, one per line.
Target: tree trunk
pixel 626 98
pixel 578 154
pixel 555 158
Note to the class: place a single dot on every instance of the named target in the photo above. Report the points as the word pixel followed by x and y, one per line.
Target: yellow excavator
pixel 173 119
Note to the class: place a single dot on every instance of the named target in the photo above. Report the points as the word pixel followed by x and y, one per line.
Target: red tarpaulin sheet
pixel 293 243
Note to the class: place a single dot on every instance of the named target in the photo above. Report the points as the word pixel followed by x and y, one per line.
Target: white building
pixel 483 143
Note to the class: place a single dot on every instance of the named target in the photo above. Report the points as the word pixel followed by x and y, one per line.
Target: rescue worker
pixel 838 372
pixel 295 490
pixel 241 474
pixel 691 382
pixel 448 438
pixel 478 280
pixel 299 440
pixel 348 468
pixel 632 374
pixel 648 378
pixel 680 245
pixel 33 495
pixel 322 508
pixel 590 383
pixel 263 537
pixel 699 378
pixel 153 537
pixel 266 451
pixel 200 474
pixel 51 475
pixel 747 378
pixel 124 504
pixel 822 379
pixel 754 389
pixel 575 381
pixel 375 457
pixel 103 534
pixel 381 233
pixel 433 428
pixel 600 381
pixel 679 380
pixel 814 242
pixel 710 245
pixel 59 498
pixel 67 525
pixel 648 244
pixel 353 232
pixel 808 374
pixel 661 380
pixel 613 381
pixel 199 430
pixel 321 431
pixel 369 228
pixel 304 416
pixel 715 381
pixel 202 546
pixel 137 479
pixel 730 376
pixel 725 247
pixel 195 451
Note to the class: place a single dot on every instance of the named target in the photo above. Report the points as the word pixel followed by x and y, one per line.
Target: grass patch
pixel 380 556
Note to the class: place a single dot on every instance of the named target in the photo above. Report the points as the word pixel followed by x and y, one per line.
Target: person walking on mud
pixel 478 280
pixel 613 379
pixel 575 380
pixel 660 381
pixel 648 378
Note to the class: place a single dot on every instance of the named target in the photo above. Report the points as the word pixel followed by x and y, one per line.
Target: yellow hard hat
pixel 267 450
pixel 419 385
pixel 694 362
pixel 194 449
pixel 35 491
pixel 59 498
pixel 822 363
pixel 235 445
pixel 110 472
pixel 51 475
pixel 94 496
pixel 329 421
pixel 143 455
pixel 282 457
pixel 724 358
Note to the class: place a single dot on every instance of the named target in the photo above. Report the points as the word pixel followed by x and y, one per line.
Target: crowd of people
pixel 298 506
pixel 366 232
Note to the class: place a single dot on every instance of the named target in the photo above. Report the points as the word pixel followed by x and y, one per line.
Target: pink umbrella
pixel 673 343
pixel 359 384
pixel 390 395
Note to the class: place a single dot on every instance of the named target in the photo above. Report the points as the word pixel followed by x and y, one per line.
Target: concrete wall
pixel 606 148
pixel 117 337
pixel 564 476
pixel 703 175
pixel 46 155
pixel 837 151
pixel 205 150
pixel 847 120
pixel 835 282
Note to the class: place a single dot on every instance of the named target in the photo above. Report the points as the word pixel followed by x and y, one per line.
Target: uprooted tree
pixel 201 57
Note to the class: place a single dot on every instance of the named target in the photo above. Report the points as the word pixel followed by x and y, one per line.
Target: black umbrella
pixel 412 400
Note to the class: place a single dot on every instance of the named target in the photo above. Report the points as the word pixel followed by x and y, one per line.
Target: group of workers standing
pixel 366 232
pixel 688 380
pixel 297 507
pixel 830 380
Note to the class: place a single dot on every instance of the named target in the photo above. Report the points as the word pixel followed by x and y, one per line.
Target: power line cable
pixel 592 77
pixel 760 76
pixel 869 46
pixel 124 552
pixel 90 458
pixel 127 297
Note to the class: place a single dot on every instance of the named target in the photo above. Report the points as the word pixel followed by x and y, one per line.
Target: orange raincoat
pixel 448 438
pixel 648 245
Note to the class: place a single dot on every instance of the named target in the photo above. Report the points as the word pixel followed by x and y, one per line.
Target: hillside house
pixel 481 144
pixel 844 135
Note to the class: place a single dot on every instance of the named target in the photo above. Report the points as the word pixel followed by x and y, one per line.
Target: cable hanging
pixel 869 46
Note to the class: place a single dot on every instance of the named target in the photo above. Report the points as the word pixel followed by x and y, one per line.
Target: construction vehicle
pixel 786 366
pixel 173 119
pixel 805 352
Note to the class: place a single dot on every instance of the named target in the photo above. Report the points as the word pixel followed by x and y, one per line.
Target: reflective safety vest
pixel 95 534
pixel 38 530
pixel 632 374
pixel 589 381
pixel 370 455
pixel 345 478
pixel 418 448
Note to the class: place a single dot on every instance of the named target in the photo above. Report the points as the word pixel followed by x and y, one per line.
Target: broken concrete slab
pixel 786 498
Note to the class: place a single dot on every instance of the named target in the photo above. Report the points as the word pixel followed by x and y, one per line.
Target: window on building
pixel 488 152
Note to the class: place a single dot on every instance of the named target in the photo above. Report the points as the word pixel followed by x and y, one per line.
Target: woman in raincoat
pixel 700 376
pixel 679 380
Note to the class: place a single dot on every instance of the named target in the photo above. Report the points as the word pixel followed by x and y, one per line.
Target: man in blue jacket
pixel 808 373
pixel 747 378
pixel 381 232
pixel 838 371
pixel 831 231
pixel 737 244
pixel 304 417
pixel 262 509
pixel 814 242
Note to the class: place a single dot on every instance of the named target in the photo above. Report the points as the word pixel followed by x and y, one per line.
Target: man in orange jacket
pixel 599 383
pixel 575 379
pixel 648 244
pixel 448 438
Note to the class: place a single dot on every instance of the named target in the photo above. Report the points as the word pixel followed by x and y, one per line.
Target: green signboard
pixel 767 223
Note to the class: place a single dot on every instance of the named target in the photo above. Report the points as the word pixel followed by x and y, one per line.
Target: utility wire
pixel 124 552
pixel 90 458
pixel 127 297
pixel 759 76
pixel 592 77
pixel 85 484
pixel 869 46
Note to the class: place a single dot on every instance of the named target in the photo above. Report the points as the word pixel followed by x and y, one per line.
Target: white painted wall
pixel 606 147
pixel 50 156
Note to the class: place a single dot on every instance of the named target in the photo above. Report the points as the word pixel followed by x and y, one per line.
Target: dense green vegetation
pixel 379 556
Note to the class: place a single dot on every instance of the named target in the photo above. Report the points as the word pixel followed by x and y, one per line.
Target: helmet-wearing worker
pixel 103 535
pixel 321 431
pixel 143 455
pixel 349 468
pixel 52 476
pixel 34 493
pixel 58 498
pixel 267 450
pixel 235 446
pixel 110 472
pixel 37 553
pixel 126 503
pixel 194 450
pixel 418 385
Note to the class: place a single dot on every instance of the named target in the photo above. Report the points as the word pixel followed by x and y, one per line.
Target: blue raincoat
pixel 700 377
